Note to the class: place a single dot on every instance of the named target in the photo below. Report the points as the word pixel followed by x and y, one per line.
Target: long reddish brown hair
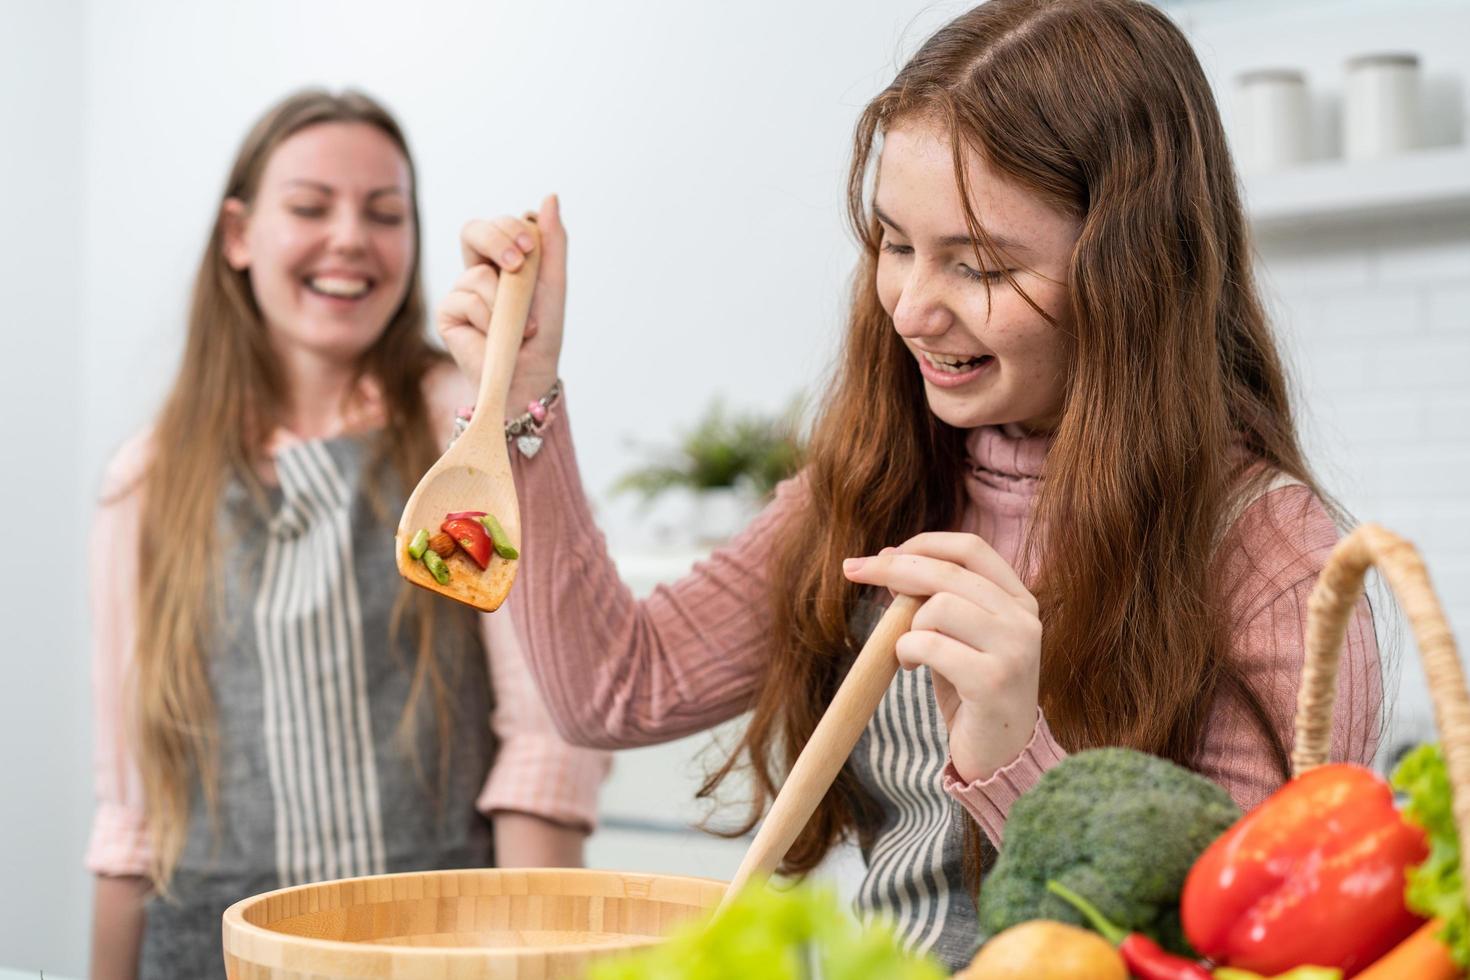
pixel 1101 108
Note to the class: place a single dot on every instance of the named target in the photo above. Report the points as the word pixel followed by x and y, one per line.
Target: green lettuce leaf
pixel 1435 888
pixel 790 934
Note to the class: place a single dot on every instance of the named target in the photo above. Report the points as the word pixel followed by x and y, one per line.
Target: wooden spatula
pixel 827 750
pixel 474 474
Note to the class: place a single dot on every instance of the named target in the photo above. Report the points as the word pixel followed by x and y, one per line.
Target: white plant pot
pixel 720 513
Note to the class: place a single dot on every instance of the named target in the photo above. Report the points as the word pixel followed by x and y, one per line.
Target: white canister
pixel 1273 124
pixel 1381 105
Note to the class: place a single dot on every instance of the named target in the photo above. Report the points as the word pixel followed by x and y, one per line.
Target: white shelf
pixel 1413 185
pixel 644 570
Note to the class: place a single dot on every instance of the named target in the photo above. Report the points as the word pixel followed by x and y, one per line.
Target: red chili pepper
pixel 461 514
pixel 1313 875
pixel 471 536
pixel 1145 959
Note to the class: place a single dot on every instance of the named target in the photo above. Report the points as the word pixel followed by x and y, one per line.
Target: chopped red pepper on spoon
pixel 471 536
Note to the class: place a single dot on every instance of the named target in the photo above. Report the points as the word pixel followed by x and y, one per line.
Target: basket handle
pixel 1328 611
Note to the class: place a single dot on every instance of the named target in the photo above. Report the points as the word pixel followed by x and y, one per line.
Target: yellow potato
pixel 1043 950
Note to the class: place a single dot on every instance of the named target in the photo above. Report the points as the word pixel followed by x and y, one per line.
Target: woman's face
pixel 328 241
pixel 987 357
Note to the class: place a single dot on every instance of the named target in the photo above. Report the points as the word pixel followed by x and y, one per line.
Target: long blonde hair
pixel 228 394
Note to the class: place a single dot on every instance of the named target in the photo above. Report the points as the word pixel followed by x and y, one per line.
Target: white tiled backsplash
pixel 1376 319
pixel 1375 313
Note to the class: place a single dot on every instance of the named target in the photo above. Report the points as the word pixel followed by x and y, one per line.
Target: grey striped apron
pixel 315 780
pixel 915 853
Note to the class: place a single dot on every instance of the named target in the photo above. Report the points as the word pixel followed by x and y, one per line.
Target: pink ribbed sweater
pixel 619 672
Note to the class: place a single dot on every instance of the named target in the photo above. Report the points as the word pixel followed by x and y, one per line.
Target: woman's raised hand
pixel 979 633
pixel 488 246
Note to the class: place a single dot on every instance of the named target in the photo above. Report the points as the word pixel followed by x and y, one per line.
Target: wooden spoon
pixel 827 750
pixel 474 473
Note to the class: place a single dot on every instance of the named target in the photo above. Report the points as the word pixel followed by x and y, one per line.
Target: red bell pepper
pixel 471 536
pixel 1315 874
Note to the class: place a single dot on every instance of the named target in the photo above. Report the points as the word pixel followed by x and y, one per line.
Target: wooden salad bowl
pixel 478 924
pixel 541 923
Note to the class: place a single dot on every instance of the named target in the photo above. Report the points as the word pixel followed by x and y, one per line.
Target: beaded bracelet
pixel 524 430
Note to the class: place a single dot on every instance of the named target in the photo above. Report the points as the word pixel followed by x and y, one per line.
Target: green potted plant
pixel 730 462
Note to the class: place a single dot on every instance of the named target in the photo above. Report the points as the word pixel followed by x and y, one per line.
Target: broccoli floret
pixel 1119 827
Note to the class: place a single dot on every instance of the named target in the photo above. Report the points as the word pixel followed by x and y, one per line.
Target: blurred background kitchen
pixel 700 151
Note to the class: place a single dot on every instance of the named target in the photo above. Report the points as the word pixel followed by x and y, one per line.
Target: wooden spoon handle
pixel 827 750
pixel 503 338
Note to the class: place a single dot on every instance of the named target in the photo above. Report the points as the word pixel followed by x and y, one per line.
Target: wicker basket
pixel 483 924
pixel 1328 612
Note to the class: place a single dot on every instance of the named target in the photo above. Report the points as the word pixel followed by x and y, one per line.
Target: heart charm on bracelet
pixel 529 445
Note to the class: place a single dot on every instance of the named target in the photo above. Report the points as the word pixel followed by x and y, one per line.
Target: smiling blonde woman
pixel 273 705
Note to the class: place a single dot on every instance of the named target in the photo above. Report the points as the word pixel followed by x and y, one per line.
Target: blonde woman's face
pixel 329 240
pixel 986 355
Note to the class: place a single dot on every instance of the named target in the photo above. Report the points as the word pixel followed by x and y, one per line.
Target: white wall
pixel 700 150
pixel 44 796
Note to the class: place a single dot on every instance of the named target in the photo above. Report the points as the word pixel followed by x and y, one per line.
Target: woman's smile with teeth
pixel 952 363
pixel 344 287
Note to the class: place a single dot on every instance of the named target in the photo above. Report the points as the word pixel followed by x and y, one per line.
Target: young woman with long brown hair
pixel 1059 414
pixel 274 705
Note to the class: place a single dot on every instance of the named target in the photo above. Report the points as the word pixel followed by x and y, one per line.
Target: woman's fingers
pixel 1012 638
pixel 464 309
pixel 504 242
pixel 553 243
pixel 462 320
pixel 484 280
pixel 971 551
pixel 979 633
pixel 920 575
pixel 494 246
pixel 481 280
pixel 959 619
pixel 464 315
pixel 481 241
pixel 968 671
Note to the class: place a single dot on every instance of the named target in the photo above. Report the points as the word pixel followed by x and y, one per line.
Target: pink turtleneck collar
pixel 1005 470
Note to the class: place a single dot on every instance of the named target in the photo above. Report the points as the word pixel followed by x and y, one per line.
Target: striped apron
pixel 316 780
